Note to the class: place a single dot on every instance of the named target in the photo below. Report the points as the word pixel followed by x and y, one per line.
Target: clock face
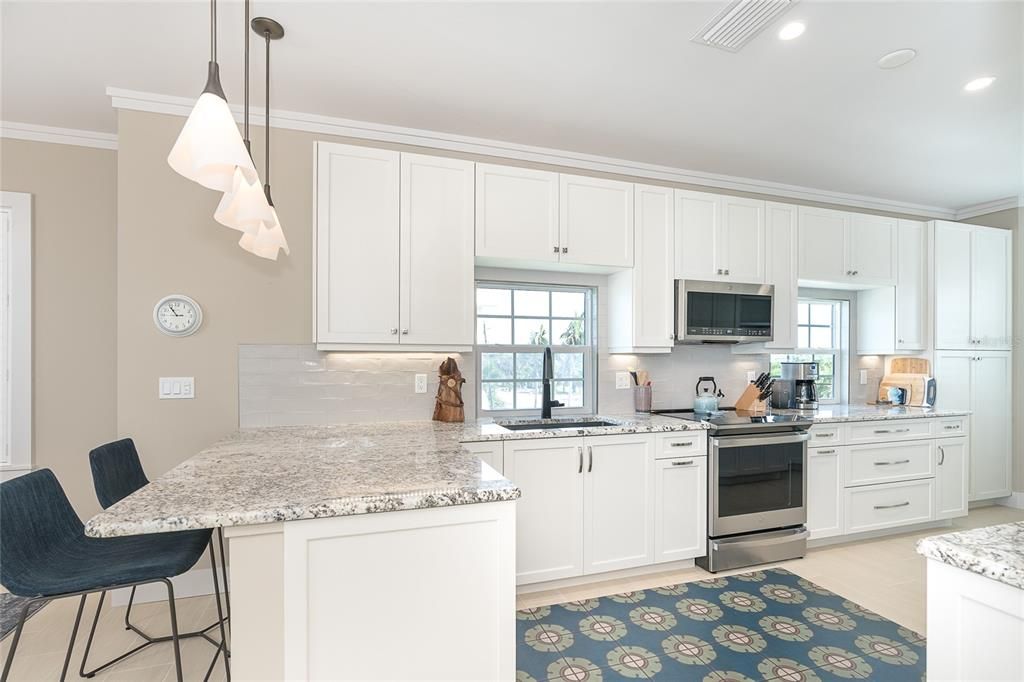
pixel 177 315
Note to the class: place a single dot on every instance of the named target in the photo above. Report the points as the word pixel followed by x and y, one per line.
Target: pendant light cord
pixel 213 30
pixel 266 127
pixel 245 106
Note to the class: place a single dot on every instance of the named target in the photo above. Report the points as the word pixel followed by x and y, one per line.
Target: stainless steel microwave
pixel 723 312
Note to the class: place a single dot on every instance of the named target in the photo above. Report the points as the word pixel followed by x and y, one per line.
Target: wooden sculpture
pixel 449 406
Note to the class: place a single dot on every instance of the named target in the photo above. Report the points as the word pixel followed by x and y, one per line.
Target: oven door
pixel 757 483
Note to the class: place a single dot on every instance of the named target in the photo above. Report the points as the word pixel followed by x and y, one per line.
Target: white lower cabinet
pixel 886 462
pixel 824 492
pixel 888 505
pixel 491 453
pixel 951 459
pixel 680 508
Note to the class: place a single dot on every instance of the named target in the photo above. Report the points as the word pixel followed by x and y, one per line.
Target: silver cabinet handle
pixel 825 452
pixel 942 456
pixel 590 454
pixel 719 271
pixel 565 249
pixel 685 462
pixel 899 461
pixel 405 331
pixel 951 427
pixel 849 272
pixel 681 445
pixel 394 330
pixel 892 506
pixel 580 450
pixel 891 430
pixel 826 434
pixel 727 271
pixel 556 249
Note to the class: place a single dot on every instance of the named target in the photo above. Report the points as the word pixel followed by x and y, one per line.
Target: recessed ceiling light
pixel 793 29
pixel 979 83
pixel 897 58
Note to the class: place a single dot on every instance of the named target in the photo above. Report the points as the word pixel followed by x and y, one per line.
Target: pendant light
pixel 268 238
pixel 245 205
pixel 209 147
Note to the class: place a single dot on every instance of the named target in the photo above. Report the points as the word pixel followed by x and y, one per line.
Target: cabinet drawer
pixel 890 430
pixel 888 505
pixel 888 462
pixel 681 444
pixel 826 434
pixel 954 426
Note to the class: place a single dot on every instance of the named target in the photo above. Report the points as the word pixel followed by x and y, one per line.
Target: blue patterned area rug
pixel 764 625
pixel 10 611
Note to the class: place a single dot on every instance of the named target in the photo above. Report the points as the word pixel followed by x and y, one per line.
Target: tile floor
pixel 883 575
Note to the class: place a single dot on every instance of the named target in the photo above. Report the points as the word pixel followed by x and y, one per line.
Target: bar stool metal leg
pixel 174 627
pixel 74 635
pixel 17 635
pixel 220 614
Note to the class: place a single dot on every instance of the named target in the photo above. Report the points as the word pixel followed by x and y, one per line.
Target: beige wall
pixel 74 305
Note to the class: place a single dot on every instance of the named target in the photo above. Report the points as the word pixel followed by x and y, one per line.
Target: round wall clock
pixel 177 315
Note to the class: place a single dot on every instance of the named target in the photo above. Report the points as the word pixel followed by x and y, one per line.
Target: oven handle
pixel 749 441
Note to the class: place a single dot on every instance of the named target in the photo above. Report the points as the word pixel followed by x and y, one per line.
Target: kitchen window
pixel 821 338
pixel 514 323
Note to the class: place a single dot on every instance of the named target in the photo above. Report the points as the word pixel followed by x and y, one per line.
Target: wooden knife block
pixel 748 402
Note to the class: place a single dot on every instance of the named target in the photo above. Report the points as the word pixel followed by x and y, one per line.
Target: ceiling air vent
pixel 737 24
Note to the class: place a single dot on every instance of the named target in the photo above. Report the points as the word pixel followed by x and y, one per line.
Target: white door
pixel 618 525
pixel 912 286
pixel 991 426
pixel 742 239
pixel 596 221
pixel 491 453
pixel 781 270
pixel 516 213
pixel 951 460
pixel 822 248
pixel 680 508
pixel 437 292
pixel 698 216
pixel 953 380
pixel 991 283
pixel 357 281
pixel 653 294
pixel 549 515
pixel 952 281
pixel 871 245
pixel 824 492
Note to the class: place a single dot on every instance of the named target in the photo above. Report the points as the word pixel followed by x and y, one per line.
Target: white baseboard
pixel 1015 500
pixel 195 583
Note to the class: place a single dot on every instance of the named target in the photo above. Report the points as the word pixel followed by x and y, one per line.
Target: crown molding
pixel 37 133
pixel 292 120
pixel 989 207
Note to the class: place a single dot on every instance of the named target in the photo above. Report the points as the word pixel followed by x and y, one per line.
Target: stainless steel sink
pixel 549 425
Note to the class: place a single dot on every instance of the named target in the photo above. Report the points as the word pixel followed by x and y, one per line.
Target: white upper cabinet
pixel 516 214
pixel 972 287
pixel 871 250
pixel 640 299
pixel 851 250
pixel 437 291
pixel 719 237
pixel 595 222
pixel 822 249
pixel 357 238
pixel 390 277
pixel 781 270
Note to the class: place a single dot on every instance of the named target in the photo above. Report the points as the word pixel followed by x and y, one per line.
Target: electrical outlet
pixel 863 377
pixel 622 380
pixel 176 388
pixel 751 377
pixel 421 383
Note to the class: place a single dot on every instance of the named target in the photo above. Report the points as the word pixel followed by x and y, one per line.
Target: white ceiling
pixel 612 79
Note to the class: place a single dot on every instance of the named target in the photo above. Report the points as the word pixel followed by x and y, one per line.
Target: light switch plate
pixel 176 388
pixel 421 383
pixel 622 380
pixel 863 377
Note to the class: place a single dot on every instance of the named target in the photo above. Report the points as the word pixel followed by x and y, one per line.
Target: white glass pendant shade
pixel 265 240
pixel 209 147
pixel 245 206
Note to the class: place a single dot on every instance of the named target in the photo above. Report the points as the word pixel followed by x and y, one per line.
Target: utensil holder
pixel 642 398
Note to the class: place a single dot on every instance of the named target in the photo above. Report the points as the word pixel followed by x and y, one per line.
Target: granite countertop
pixel 275 474
pixel 995 552
pixel 828 414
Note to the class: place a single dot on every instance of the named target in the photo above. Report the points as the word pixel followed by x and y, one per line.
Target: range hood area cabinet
pixel 536 219
pixel 845 249
pixel 719 238
pixel 394 250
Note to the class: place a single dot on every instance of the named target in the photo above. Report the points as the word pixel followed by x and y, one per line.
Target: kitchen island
pixel 976 603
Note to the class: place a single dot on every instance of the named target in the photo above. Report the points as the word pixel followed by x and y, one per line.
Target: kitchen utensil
pixel 706 401
pixel 897 395
pixel 642 398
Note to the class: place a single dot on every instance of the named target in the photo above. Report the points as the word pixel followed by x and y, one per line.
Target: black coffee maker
pixel 795 389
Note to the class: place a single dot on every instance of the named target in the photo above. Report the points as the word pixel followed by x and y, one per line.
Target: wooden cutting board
pixel 910 366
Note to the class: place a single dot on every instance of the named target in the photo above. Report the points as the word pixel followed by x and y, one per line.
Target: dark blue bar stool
pixel 47 556
pixel 116 473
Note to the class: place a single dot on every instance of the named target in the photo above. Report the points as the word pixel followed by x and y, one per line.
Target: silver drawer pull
pixel 826 452
pixel 683 464
pixel 953 427
pixel 826 434
pixel 891 430
pixel 899 461
pixel 892 506
pixel 681 445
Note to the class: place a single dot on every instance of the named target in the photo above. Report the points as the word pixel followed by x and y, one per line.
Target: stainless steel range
pixel 757 488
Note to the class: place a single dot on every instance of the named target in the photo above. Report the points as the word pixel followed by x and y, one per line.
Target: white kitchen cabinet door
pixel 952 283
pixel 549 515
pixel 491 453
pixel 991 426
pixel 871 249
pixel 824 492
pixel 953 380
pixel 822 245
pixel 912 286
pixel 742 240
pixel 596 221
pixel 991 284
pixel 516 214
pixel 951 471
pixel 698 216
pixel 680 508
pixel 781 271
pixel 437 285
pixel 357 243
pixel 618 530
